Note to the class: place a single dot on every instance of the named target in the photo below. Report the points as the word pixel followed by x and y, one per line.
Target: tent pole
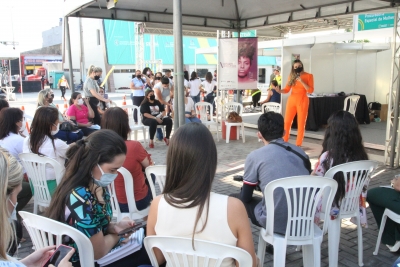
pixel 20 77
pixel 179 89
pixel 68 39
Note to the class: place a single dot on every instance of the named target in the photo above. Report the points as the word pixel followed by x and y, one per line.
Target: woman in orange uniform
pixel 301 83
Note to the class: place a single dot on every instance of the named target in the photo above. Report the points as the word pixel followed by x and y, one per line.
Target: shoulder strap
pixel 306 162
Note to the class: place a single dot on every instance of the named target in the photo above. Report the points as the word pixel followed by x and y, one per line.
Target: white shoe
pixel 395 247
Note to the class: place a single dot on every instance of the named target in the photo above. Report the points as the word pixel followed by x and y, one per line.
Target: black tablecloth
pixel 321 108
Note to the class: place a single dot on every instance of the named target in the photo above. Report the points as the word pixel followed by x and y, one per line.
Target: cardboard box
pixel 383 112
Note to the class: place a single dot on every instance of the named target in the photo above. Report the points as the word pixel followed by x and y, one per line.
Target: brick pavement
pixel 231 158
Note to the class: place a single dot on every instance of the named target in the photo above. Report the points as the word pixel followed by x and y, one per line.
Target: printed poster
pixel 238 63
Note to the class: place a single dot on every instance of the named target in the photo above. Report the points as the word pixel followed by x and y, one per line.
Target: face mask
pixel 298 70
pixel 23 125
pixel 148 73
pixel 105 179
pixel 139 76
pixel 56 131
pixel 96 77
pixel 50 100
pixel 152 97
pixel 80 101
pixel 13 216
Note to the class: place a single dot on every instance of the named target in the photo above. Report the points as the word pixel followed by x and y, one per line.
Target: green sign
pixel 245 34
pixel 375 21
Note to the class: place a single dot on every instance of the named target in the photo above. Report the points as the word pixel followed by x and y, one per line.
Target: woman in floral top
pixel 342 143
pixel 82 201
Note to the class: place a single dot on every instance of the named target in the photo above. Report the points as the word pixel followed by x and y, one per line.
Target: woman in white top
pixel 190 112
pixel 195 84
pixel 208 87
pixel 45 125
pixel 187 197
pixel 10 182
pixel 11 123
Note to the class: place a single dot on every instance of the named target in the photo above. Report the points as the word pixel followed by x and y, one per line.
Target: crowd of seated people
pixel 92 163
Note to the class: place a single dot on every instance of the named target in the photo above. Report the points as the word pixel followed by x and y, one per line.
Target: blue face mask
pixel 105 179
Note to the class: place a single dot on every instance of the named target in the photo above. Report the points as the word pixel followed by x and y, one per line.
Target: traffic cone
pixel 124 103
pixel 23 108
pixel 26 123
pixel 202 97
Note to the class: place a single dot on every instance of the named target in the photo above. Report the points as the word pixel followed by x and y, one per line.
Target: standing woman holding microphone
pixel 91 89
pixel 301 83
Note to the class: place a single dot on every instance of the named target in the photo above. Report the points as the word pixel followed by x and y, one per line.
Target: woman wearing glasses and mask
pixel 45 99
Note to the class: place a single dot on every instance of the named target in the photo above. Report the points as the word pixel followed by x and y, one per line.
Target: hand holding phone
pixel 60 257
pixel 138 224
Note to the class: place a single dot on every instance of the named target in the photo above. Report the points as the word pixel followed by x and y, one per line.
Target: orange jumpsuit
pixel 298 103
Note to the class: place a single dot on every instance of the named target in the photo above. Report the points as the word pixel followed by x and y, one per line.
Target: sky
pixel 24 21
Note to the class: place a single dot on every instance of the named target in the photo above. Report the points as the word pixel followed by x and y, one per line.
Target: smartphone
pixel 138 224
pixel 58 255
pixel 106 96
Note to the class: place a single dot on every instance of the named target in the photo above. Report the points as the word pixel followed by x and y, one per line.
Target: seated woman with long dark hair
pixel 82 200
pixel 187 200
pixel 153 115
pixel 342 143
pixel 45 125
pixel 137 159
pixel 81 113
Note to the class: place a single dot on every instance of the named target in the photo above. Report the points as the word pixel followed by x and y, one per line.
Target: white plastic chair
pixel 160 172
pixel 178 252
pixel 134 213
pixel 135 127
pixel 237 107
pixel 302 196
pixel 359 172
pixel 47 232
pixel 394 217
pixel 35 167
pixel 201 110
pixel 352 106
pixel 271 106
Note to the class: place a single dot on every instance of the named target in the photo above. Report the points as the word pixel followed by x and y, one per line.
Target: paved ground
pixel 231 158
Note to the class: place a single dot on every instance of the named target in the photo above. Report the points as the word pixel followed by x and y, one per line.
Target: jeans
pixel 136 100
pixel 68 136
pixel 87 131
pixel 196 98
pixel 159 134
pixel 195 119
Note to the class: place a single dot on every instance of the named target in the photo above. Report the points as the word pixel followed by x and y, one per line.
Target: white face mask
pixel 80 101
pixel 13 216
pixel 56 131
pixel 105 179
pixel 23 125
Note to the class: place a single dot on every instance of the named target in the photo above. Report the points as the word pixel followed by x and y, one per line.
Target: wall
pixel 52 36
pixel 383 75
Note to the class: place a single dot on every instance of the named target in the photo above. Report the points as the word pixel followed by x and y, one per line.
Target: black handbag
pixel 68 126
pixel 374 106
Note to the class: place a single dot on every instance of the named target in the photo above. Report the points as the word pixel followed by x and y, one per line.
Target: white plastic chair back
pixel 302 195
pixel 47 232
pixel 357 174
pixel 160 172
pixel 178 252
pixel 130 109
pixel 352 106
pixel 202 109
pixel 232 106
pixel 134 213
pixel 35 167
pixel 271 106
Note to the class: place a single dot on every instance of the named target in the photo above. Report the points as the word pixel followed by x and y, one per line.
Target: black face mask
pixel 96 77
pixel 52 95
pixel 50 100
pixel 152 97
pixel 158 78
pixel 138 76
pixel 298 70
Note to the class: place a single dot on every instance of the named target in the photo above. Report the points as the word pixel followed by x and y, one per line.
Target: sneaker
pixel 151 145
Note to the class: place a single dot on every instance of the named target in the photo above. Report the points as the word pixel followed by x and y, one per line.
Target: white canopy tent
pixel 271 19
